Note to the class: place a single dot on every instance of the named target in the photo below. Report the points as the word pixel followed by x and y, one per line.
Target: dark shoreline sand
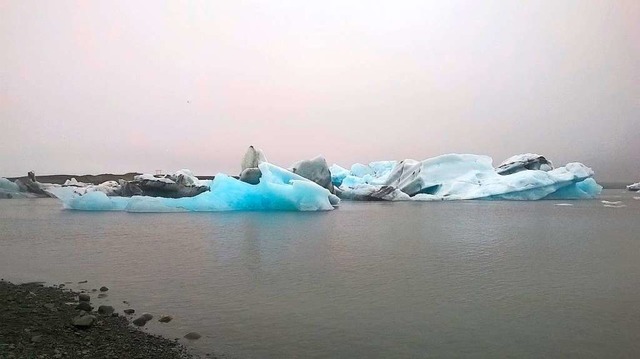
pixel 36 321
pixel 94 179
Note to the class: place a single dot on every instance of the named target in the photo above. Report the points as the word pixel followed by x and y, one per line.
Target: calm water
pixel 369 280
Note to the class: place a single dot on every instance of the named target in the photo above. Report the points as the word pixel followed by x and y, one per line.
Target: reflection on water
pixel 459 279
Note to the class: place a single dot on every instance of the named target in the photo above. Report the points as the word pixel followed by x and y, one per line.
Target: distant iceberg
pixel 465 176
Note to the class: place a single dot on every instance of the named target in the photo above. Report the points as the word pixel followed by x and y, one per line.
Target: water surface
pixel 369 280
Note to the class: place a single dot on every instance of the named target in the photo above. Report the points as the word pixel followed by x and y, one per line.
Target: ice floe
pixel 466 176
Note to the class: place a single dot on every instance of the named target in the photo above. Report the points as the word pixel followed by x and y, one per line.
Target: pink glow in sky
pixel 117 86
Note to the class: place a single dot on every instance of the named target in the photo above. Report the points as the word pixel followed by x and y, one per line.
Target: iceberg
pixel 315 170
pixel 8 186
pixel 466 176
pixel 634 187
pixel 9 189
pixel 311 185
pixel 278 189
pixel 24 188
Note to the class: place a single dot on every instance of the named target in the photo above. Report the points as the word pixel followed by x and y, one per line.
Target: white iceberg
pixel 278 189
pixel 465 176
pixel 634 187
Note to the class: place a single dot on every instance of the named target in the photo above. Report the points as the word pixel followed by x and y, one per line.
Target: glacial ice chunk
pixel 338 174
pixel 278 189
pixel 465 176
pixel 8 186
pixel 9 189
pixel 252 158
pixel 315 170
pixel 360 170
pixel 634 187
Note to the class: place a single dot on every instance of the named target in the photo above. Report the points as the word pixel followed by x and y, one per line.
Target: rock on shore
pixel 31 328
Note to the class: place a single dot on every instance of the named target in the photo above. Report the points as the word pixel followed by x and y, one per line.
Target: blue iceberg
pixel 278 190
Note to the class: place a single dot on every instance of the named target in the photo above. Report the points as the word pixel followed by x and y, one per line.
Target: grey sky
pixel 115 86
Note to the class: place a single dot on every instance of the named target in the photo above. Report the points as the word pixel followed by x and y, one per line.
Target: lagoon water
pixel 369 280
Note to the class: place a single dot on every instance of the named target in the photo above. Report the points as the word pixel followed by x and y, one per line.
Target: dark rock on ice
pixel 167 188
pixel 527 161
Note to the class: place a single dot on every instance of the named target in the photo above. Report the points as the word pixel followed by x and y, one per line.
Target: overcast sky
pixel 117 86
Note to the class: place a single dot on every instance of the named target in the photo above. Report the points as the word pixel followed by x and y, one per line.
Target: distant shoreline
pixel 94 179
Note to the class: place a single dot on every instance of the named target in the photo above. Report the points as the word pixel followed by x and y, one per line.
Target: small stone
pixel 36 338
pixel 129 311
pixel 82 282
pixel 103 295
pixel 84 306
pixel 84 321
pixel 105 310
pixel 146 316
pixel 165 319
pixel 141 321
pixel 192 336
pixel 94 290
pixel 84 297
pixel 104 289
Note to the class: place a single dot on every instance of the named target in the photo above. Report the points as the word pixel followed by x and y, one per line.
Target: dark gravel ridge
pixel 36 322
